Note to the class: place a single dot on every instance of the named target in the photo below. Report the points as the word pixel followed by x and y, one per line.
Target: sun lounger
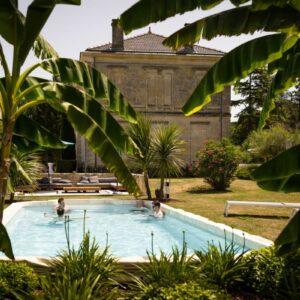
pixel 53 184
pixel 117 186
pixel 102 182
pixel 81 188
pixel 254 203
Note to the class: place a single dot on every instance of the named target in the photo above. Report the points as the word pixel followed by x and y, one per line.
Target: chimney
pixel 190 47
pixel 117 36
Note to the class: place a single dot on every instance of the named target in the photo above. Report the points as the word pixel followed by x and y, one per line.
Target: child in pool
pixel 157 212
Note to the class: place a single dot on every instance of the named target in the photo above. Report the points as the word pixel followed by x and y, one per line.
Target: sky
pixel 72 29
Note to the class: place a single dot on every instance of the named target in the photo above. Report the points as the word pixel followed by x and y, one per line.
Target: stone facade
pixel 159 83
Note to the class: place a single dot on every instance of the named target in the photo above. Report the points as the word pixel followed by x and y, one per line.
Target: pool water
pixel 128 231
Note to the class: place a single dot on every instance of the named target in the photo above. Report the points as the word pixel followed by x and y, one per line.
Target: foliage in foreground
pixel 168 269
pixel 214 274
pixel 178 276
pixel 82 274
pixel 182 291
pixel 16 278
pixel 222 265
pixel 271 276
pixel 218 162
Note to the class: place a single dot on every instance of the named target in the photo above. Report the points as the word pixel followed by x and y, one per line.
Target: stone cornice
pixel 125 58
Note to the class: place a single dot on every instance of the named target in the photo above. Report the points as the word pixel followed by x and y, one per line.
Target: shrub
pixel 82 274
pixel 168 269
pixel 266 144
pixel 222 266
pixel 16 277
pixel 183 291
pixel 271 276
pixel 244 171
pixel 264 273
pixel 190 170
pixel 162 272
pixel 290 287
pixel 218 163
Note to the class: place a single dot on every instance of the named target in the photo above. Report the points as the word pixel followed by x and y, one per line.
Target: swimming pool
pixel 128 232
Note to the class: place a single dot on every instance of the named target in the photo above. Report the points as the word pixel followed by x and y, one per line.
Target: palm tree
pixel 142 157
pixel 168 148
pixel 25 169
pixel 77 90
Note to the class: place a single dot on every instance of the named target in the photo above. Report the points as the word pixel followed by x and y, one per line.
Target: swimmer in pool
pixel 140 206
pixel 157 212
pixel 61 207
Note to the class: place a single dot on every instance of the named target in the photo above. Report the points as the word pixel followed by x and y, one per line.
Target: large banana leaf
pixel 266 4
pixel 104 135
pixel 79 98
pixel 11 24
pixel 34 132
pixel 288 240
pixel 101 145
pixel 37 15
pixel 145 12
pixel 5 244
pixel 95 83
pixel 42 49
pixel 25 146
pixel 56 92
pixel 237 64
pixel 282 173
pixel 274 19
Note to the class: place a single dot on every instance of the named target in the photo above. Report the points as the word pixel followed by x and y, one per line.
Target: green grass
pixel 193 195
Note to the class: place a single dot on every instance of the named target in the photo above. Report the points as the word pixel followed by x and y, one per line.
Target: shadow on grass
pixel 205 190
pixel 249 216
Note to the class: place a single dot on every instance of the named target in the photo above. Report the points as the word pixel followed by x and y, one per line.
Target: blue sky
pixel 72 29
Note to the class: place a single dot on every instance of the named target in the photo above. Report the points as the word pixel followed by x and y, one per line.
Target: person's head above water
pixel 156 204
pixel 60 200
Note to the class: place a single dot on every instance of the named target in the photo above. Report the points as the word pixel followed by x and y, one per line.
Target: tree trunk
pixel 5 162
pixel 162 181
pixel 146 180
pixel 12 197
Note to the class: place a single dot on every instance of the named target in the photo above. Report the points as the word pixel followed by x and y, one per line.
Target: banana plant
pixel 85 95
pixel 279 51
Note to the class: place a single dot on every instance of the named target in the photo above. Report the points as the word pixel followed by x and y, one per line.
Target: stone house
pixel 157 80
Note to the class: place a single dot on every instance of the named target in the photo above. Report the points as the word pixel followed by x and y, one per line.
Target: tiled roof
pixel 152 43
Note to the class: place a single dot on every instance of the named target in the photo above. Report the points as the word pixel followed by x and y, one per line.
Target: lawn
pixel 192 194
